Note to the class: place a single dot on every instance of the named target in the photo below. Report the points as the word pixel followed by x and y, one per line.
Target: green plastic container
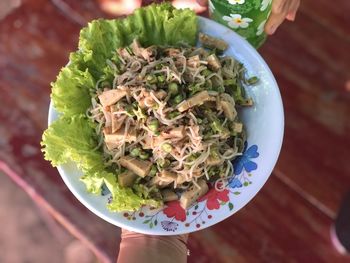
pixel 246 17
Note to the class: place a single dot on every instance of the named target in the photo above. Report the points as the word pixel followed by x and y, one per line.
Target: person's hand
pixel 136 247
pixel 281 10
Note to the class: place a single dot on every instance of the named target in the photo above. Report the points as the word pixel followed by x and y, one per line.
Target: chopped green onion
pixel 153 125
pixel 178 99
pixel 173 88
pixel 214 153
pixel 173 114
pixel 151 79
pixel 163 163
pixel 208 135
pixel 161 78
pixel 220 89
pixel 166 147
pixel 252 80
pixel 155 106
pixel 208 84
pixel 206 72
pixel 135 152
pixel 129 50
pixel 228 82
pixel 130 110
pixel 194 89
pixel 153 171
pixel 216 126
pixel 137 181
pixel 135 105
pixel 192 157
pixel 160 162
pixel 144 155
pixel 213 171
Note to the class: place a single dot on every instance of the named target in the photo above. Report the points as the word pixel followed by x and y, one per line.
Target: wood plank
pixel 22 160
pixel 312 79
pixel 334 16
pixel 277 226
pixel 80 12
pixel 308 47
pixel 36 40
pixel 25 165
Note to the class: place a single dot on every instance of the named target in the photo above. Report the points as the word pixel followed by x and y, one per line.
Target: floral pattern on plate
pixel 172 214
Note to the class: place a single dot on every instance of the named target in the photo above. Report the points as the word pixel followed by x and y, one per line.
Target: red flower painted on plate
pixel 174 209
pixel 213 197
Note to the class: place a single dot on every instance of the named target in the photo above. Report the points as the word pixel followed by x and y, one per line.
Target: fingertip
pixel 291 16
pixel 270 30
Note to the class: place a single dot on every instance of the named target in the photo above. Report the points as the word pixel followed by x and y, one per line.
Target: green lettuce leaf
pixel 94 181
pixel 72 137
pixel 124 199
pixel 70 92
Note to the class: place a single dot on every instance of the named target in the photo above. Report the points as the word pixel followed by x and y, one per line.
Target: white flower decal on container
pixel 236 21
pixel 211 7
pixel 260 28
pixel 265 4
pixel 235 2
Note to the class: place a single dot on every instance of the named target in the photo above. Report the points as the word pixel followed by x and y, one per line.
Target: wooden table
pixel 290 219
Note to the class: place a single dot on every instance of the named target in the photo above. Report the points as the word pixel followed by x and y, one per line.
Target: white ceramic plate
pixel 264 122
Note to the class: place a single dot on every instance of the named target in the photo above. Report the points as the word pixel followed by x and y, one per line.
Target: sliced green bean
pixel 135 152
pixel 161 78
pixel 153 125
pixel 252 80
pixel 173 114
pixel 153 171
pixel 144 155
pixel 178 99
pixel 151 79
pixel 206 72
pixel 173 88
pixel 166 147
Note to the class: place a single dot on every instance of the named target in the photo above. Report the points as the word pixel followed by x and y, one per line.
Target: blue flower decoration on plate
pixel 235 183
pixel 244 161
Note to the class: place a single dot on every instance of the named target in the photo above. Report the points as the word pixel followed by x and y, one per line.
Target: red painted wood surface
pixel 312 66
pixel 35 42
pixel 288 221
pixel 277 226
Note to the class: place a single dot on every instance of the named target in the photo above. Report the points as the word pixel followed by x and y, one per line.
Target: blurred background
pixel 288 221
